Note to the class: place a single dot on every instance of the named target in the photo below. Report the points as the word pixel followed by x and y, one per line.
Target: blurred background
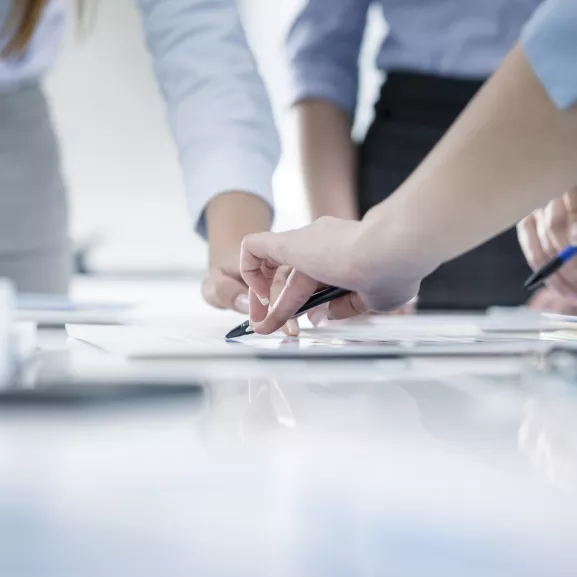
pixel 127 197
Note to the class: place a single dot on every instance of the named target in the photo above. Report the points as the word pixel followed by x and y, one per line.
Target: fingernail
pixel 573 234
pixel 241 303
pixel 318 317
pixel 264 301
pixel 292 326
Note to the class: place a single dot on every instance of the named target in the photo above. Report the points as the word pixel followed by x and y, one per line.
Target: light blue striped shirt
pixel 550 44
pixel 460 38
pixel 217 105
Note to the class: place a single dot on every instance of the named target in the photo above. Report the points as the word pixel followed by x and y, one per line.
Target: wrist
pixel 230 217
pixel 390 236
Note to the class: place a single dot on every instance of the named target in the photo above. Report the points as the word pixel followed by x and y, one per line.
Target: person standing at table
pixel 436 55
pixel 217 108
pixel 512 150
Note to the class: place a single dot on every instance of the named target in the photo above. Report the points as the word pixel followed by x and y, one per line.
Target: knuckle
pixel 325 221
pixel 554 220
pixel 527 224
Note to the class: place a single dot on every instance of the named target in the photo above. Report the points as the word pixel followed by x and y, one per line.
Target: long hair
pixel 22 21
pixel 21 24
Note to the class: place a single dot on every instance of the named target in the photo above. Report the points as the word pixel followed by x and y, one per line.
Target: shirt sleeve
pixel 217 105
pixel 323 46
pixel 550 44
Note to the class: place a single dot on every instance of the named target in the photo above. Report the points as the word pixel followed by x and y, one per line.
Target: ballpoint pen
pixel 550 268
pixel 323 296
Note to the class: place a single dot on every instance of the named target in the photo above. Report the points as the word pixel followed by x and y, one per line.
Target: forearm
pixel 328 159
pixel 511 151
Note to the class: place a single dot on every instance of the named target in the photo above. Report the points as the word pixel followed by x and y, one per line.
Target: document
pixel 409 336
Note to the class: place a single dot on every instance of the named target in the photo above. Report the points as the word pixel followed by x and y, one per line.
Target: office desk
pixel 381 468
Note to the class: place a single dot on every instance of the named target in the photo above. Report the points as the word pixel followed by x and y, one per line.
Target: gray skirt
pixel 34 246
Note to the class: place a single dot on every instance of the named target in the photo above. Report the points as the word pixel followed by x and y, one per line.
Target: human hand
pixel 548 300
pixel 328 252
pixel 545 233
pixel 230 217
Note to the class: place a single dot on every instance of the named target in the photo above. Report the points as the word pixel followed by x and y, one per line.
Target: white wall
pixel 119 158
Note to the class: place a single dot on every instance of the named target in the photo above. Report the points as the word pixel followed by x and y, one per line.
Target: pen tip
pixel 240 331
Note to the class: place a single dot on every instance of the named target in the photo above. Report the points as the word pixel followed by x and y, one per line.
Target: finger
pixel 319 315
pixel 553 227
pixel 548 300
pixel 257 309
pixel 272 250
pixel 543 234
pixel 259 251
pixel 536 256
pixel 556 221
pixel 525 231
pixel 278 283
pixel 570 200
pixel 408 309
pixel 225 292
pixel 297 291
pixel 350 305
pixel 541 300
pixel 291 327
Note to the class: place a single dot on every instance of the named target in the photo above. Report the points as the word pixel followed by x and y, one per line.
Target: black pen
pixel 541 275
pixel 319 298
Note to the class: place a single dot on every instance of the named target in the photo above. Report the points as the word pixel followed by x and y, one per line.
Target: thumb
pixel 350 305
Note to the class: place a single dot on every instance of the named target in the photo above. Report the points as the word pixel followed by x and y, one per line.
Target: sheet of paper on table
pixel 386 337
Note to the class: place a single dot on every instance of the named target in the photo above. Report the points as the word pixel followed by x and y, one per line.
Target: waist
pixel 419 96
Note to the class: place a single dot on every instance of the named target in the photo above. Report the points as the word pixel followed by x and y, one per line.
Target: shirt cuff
pixel 229 170
pixel 550 44
pixel 319 80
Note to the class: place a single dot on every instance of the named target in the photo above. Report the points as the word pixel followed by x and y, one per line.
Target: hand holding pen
pixel 328 253
pixel 260 260
pixel 548 238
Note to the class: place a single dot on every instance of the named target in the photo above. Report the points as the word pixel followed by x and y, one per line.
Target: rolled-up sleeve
pixel 217 105
pixel 550 44
pixel 323 46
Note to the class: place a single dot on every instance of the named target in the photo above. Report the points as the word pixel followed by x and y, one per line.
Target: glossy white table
pixel 382 468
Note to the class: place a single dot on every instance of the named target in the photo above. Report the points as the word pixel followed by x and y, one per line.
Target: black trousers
pixel 412 114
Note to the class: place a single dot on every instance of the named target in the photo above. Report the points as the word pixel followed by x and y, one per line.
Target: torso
pixel 451 37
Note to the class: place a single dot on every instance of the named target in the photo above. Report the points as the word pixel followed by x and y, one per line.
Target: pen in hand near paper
pixel 539 277
pixel 331 293
pixel 319 298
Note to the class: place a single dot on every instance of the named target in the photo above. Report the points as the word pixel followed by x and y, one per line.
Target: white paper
pixel 405 338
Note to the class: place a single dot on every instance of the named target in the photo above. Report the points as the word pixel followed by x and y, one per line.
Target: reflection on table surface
pixel 297 468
